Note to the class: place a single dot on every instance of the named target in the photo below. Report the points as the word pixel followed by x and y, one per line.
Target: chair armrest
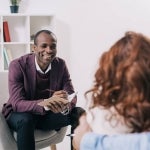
pixel 7 141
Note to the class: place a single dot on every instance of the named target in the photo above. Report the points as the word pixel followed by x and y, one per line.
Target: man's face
pixel 45 49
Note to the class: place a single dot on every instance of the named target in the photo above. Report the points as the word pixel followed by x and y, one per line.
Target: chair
pixel 8 140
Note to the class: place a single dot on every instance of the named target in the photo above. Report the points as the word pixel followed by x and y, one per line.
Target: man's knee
pixel 75 114
pixel 25 121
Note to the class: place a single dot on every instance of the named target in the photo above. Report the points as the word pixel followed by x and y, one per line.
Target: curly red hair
pixel 123 80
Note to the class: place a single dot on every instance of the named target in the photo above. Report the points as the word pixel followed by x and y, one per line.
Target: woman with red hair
pixel 120 96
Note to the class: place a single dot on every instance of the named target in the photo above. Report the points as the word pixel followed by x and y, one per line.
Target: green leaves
pixel 15 2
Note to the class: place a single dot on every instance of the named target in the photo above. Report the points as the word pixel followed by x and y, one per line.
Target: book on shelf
pixel 5 64
pixel 9 54
pixel 6 59
pixel 6 32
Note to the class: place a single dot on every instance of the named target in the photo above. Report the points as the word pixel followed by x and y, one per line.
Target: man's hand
pixel 62 94
pixel 79 132
pixel 57 103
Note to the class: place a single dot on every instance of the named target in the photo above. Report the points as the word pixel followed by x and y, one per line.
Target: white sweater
pixel 99 123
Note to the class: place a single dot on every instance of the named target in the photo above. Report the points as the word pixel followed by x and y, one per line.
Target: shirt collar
pixel 39 69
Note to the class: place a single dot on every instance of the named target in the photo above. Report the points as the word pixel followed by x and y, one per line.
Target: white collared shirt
pixel 39 69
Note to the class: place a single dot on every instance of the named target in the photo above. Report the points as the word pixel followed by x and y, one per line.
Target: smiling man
pixel 35 78
pixel 45 48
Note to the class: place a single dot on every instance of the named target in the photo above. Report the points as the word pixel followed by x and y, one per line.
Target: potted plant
pixel 14 7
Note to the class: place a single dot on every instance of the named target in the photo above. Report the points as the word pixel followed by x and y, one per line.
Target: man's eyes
pixel 53 46
pixel 44 45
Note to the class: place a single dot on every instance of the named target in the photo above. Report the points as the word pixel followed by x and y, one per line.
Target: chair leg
pixel 53 147
pixel 71 138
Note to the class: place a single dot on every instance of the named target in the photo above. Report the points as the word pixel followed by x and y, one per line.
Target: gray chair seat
pixel 40 135
pixel 44 135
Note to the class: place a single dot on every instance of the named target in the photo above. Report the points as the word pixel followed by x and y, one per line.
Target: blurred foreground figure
pixel 120 96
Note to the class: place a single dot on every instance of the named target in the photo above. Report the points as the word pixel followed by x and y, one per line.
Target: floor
pixel 65 145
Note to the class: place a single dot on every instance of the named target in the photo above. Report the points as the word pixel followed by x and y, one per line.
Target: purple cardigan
pixel 22 84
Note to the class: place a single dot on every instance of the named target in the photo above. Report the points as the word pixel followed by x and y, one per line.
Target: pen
pixel 72 96
pixel 71 135
pixel 50 90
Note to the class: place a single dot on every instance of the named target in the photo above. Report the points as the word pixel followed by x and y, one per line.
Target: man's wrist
pixel 45 107
pixel 66 111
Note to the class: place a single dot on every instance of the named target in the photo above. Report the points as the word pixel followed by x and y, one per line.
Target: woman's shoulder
pixel 106 121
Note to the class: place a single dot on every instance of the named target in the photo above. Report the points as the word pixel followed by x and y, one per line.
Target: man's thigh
pixel 52 121
pixel 18 118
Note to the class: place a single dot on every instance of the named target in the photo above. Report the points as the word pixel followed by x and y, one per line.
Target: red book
pixel 6 32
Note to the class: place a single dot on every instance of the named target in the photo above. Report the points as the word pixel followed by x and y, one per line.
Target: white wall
pixel 86 28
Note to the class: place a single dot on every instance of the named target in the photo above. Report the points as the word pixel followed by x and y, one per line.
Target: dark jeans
pixel 25 123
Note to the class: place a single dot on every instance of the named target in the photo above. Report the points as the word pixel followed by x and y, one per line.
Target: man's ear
pixel 33 48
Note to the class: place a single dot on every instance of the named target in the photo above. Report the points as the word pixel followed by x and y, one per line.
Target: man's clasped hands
pixel 57 103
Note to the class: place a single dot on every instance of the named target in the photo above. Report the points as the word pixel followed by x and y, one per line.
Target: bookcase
pixel 21 30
